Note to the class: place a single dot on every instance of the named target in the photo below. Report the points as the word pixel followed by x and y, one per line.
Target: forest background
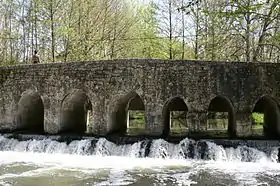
pixel 83 30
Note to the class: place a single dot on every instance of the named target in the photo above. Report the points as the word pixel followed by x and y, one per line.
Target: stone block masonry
pixel 59 97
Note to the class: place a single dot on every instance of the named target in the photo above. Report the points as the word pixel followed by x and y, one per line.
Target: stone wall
pixel 110 85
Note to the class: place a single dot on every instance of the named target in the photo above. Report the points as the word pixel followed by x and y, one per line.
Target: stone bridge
pixel 55 98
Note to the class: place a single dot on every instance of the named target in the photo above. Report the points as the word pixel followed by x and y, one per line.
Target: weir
pixel 218 150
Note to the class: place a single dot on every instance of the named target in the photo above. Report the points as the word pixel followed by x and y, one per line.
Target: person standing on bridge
pixel 35 57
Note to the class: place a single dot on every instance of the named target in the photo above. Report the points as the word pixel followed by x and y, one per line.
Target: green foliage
pixel 136 119
pixel 69 30
pixel 257 124
pixel 258 118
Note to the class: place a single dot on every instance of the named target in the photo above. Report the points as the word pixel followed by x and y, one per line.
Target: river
pixel 97 162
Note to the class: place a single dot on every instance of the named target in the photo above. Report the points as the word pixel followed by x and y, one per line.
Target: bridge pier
pixel 8 111
pixel 51 117
pixel 100 118
pixel 243 124
pixel 154 117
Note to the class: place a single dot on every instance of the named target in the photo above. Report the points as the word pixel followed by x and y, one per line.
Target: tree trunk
pixel 247 37
pixel 170 30
pixel 52 31
pixel 183 31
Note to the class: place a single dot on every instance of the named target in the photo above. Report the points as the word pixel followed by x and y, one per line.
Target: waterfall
pixel 159 148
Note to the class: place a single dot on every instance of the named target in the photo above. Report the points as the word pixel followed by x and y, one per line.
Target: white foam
pixel 184 178
pixel 87 162
pixel 243 172
pixel 107 148
pixel 4 183
pixel 117 177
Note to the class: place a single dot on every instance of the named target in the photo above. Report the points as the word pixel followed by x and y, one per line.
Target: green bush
pixel 136 119
pixel 258 118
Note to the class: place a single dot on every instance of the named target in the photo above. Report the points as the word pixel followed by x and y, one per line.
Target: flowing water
pixel 45 161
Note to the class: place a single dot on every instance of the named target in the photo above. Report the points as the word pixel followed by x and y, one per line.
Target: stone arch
pixel 174 104
pixel 118 118
pixel 223 105
pixel 30 112
pixel 74 111
pixel 270 109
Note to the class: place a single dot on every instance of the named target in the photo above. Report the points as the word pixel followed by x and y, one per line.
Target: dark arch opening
pixel 221 112
pixel 30 113
pixel 174 105
pixel 75 110
pixel 270 110
pixel 120 118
